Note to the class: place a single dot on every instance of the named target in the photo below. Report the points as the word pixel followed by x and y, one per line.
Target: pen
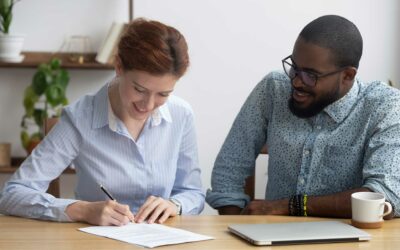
pixel 130 216
pixel 106 192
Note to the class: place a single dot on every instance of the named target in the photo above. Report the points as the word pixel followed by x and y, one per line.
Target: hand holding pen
pixel 102 213
pixel 122 209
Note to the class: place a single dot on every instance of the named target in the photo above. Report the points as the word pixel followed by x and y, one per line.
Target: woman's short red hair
pixel 153 47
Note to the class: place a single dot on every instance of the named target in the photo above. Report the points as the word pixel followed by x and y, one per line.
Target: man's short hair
pixel 337 34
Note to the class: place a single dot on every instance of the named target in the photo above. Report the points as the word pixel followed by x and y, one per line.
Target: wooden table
pixel 19 233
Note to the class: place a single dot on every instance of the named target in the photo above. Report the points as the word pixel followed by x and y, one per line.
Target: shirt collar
pixel 155 118
pixel 159 114
pixel 341 108
pixel 102 103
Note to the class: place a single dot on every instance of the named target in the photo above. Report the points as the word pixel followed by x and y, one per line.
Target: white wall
pixel 233 44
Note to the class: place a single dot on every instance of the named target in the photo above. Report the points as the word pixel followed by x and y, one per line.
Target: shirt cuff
pixel 392 199
pixel 190 204
pixel 57 210
pixel 217 199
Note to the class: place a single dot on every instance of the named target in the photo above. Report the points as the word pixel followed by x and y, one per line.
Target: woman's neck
pixel 133 126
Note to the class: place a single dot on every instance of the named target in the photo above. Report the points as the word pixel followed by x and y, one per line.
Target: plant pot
pixel 11 47
pixel 32 145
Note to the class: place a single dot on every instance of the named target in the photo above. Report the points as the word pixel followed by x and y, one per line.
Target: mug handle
pixel 389 206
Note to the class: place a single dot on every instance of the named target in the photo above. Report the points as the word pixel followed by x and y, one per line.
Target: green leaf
pixel 24 124
pixel 62 78
pixel 6 7
pixel 65 101
pixel 29 105
pixel 29 92
pixel 44 67
pixel 6 23
pixel 24 139
pixel 55 64
pixel 55 94
pixel 39 83
pixel 30 98
pixel 39 116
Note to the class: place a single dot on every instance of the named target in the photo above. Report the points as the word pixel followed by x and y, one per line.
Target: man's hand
pixel 264 207
pixel 155 209
pixel 103 213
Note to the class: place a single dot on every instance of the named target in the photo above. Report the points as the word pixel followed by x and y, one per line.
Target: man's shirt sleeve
pixel 381 171
pixel 237 156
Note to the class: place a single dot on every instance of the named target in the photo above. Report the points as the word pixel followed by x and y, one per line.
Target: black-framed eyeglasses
pixel 307 77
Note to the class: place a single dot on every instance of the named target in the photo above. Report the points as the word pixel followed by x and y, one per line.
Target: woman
pixel 131 136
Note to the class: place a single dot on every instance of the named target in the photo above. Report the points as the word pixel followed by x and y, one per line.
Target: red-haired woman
pixel 132 136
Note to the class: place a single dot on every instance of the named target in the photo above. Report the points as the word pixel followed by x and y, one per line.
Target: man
pixel 328 134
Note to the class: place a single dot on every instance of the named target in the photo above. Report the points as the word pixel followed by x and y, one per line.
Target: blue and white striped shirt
pixel 162 162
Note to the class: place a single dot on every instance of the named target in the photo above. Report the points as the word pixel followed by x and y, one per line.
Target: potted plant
pixel 43 98
pixel 10 44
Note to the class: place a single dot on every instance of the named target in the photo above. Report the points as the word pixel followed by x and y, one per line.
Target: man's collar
pixel 341 108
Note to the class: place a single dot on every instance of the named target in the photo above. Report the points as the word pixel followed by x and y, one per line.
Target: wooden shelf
pixel 16 162
pixel 34 59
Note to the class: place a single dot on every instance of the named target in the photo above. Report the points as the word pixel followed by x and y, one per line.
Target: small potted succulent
pixel 43 98
pixel 10 44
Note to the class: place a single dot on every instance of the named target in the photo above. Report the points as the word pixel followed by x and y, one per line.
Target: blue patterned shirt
pixel 162 162
pixel 352 143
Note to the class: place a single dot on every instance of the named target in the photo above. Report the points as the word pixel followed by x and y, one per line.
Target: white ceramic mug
pixel 367 209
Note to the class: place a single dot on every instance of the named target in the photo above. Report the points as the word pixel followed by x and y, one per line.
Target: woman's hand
pixel 103 213
pixel 155 209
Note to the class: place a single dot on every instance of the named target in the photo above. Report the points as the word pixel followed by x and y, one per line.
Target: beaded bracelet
pixel 298 205
pixel 305 205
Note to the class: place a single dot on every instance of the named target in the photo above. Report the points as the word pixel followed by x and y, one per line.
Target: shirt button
pixel 301 181
pixel 318 127
pixel 306 152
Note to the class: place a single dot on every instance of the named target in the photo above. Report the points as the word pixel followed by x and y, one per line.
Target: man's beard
pixel 314 108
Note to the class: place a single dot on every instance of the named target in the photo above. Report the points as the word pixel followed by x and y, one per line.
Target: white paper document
pixel 147 235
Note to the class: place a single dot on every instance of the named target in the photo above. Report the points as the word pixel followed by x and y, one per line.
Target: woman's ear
pixel 118 66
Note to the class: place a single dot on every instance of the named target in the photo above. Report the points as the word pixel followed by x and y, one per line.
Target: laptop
pixel 299 233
